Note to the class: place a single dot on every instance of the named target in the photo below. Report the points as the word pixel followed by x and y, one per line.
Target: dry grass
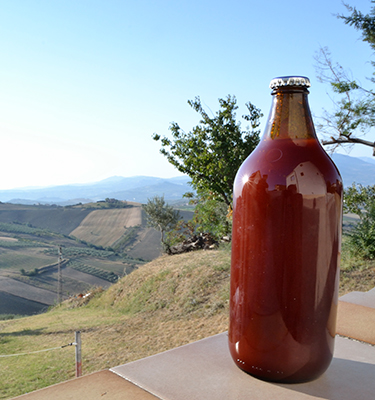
pixel 361 280
pixel 356 274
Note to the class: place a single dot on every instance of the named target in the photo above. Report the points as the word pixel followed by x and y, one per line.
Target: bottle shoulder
pixel 287 154
pixel 279 162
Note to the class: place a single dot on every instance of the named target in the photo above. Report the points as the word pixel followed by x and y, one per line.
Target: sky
pixel 84 84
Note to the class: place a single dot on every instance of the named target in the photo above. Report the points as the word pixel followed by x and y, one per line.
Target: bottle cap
pixel 289 81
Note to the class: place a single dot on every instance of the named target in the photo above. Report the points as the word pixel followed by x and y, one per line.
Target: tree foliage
pixel 161 216
pixel 211 153
pixel 360 200
pixel 353 111
pixel 210 215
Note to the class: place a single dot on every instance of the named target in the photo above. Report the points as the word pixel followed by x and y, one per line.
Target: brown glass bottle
pixel 286 240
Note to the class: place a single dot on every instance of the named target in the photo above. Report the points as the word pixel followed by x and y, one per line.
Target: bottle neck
pixel 290 116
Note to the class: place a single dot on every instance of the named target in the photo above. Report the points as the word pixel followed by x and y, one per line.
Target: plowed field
pixel 104 227
pixel 26 291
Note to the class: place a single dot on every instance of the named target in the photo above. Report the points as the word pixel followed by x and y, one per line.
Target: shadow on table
pixel 344 380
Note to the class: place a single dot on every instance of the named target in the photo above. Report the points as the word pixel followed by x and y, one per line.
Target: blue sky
pixel 85 83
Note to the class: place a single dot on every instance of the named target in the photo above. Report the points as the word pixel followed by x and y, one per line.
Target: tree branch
pixel 347 140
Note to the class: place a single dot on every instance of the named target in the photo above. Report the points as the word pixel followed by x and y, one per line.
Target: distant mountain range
pixel 137 189
pixel 141 188
pixel 355 169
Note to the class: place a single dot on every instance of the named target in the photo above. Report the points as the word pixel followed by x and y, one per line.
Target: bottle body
pixel 286 240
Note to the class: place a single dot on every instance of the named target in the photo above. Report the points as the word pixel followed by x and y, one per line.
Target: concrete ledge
pixel 366 299
pixel 356 321
pixel 205 370
pixel 103 385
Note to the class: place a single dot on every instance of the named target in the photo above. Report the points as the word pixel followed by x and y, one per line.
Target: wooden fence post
pixel 78 354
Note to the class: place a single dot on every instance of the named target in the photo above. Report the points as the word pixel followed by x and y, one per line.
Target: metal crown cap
pixel 290 81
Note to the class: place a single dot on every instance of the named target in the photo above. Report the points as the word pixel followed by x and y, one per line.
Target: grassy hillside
pixel 169 302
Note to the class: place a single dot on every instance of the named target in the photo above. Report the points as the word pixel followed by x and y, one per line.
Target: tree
pixel 210 215
pixel 161 216
pixel 360 200
pixel 213 151
pixel 354 112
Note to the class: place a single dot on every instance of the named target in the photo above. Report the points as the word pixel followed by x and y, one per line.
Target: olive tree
pixel 161 216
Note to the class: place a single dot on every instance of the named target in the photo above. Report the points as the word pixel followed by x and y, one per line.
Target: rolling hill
pixel 99 245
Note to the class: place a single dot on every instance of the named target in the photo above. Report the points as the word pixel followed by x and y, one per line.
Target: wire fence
pixel 37 351
pixel 78 356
